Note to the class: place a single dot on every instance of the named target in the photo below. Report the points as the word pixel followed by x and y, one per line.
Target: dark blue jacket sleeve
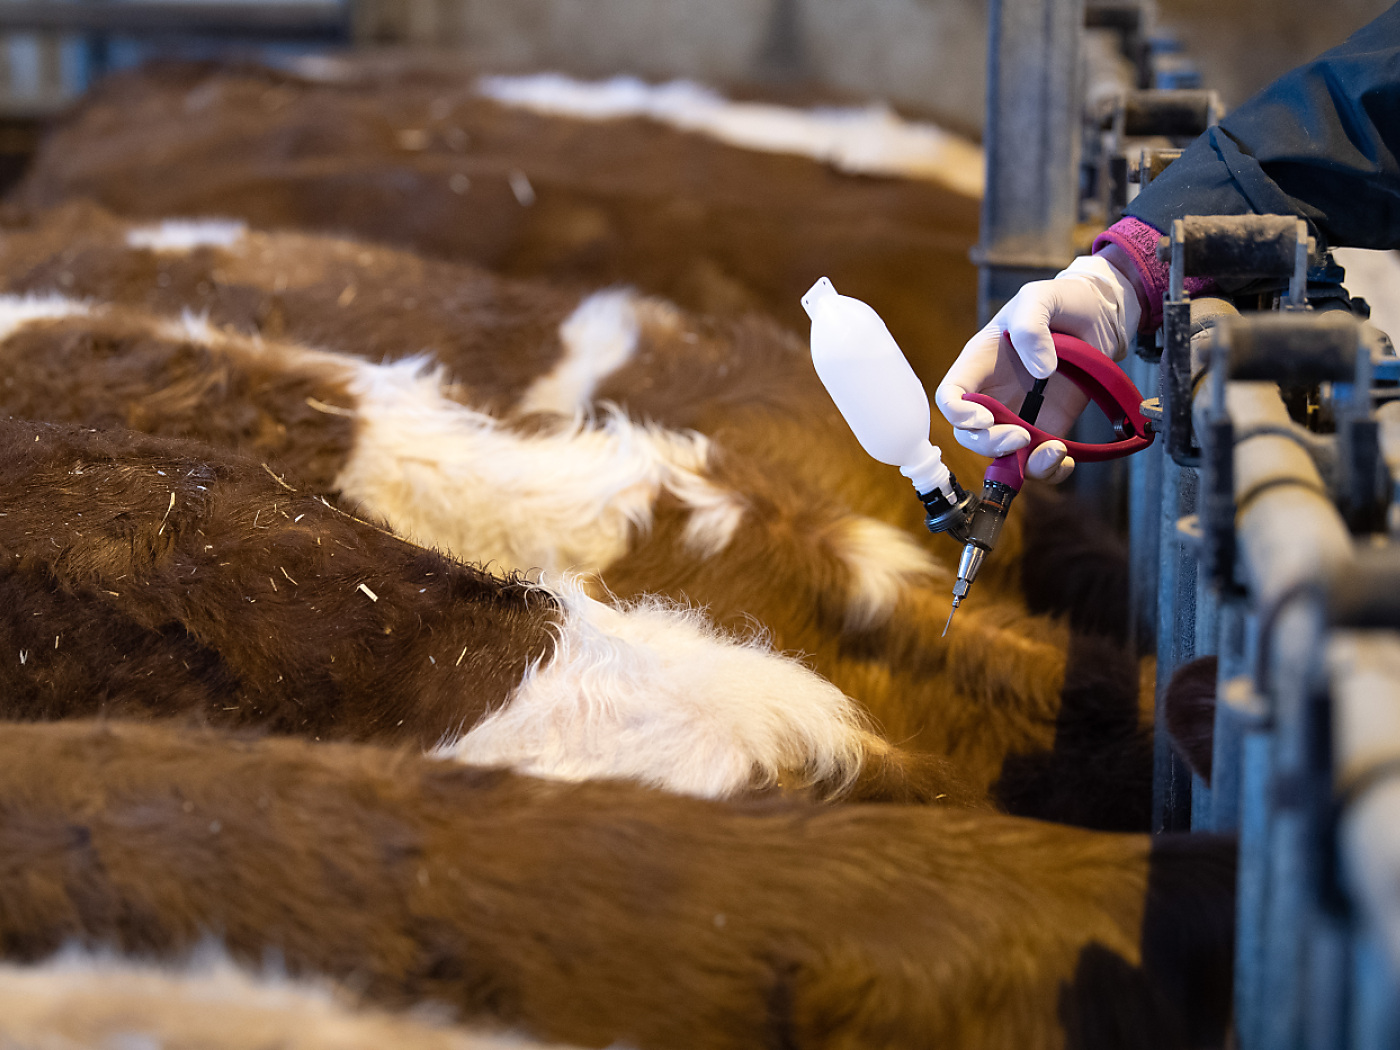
pixel 1320 142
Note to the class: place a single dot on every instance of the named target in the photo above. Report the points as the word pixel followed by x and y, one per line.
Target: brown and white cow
pixel 147 577
pixel 420 158
pixel 649 509
pixel 514 347
pixel 603 913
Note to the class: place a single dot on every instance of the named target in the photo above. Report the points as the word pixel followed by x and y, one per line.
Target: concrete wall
pixel 925 56
pixel 928 57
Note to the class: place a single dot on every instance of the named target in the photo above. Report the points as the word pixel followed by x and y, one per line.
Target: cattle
pixel 146 577
pixel 515 347
pixel 202 572
pixel 421 159
pixel 512 347
pixel 107 1002
pixel 651 510
pixel 603 913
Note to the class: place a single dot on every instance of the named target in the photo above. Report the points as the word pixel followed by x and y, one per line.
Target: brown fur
pixel 750 386
pixel 120 371
pixel 495 334
pixel 600 912
pixel 997 691
pixel 244 604
pixel 238 599
pixel 711 226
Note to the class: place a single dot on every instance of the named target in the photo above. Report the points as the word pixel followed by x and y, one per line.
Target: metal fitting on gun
pixel 950 516
pixel 979 534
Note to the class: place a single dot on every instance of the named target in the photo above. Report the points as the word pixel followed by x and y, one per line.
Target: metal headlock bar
pixel 1262 530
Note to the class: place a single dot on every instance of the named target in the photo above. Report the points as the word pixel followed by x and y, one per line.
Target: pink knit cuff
pixel 1139 240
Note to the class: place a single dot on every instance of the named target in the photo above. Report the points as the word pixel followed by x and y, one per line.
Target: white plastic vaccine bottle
pixel 877 392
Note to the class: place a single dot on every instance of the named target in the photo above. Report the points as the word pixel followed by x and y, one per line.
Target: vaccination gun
pixel 886 407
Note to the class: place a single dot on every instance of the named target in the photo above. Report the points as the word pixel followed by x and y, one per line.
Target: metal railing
pixel 52 50
pixel 1263 529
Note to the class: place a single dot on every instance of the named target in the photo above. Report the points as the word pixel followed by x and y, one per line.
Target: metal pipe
pixel 1364 668
pixel 308 20
pixel 1388 416
pixel 1176 641
pixel 1239 714
pixel 1030 205
pixel 1280 991
pixel 1144 512
pixel 1288 536
pixel 1289 532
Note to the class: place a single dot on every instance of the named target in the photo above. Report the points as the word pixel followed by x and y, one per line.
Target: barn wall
pixel 925 56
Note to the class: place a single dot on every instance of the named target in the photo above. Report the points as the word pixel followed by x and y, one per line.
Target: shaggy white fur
pixel 884 562
pixel 185 235
pixel 18 311
pixel 870 140
pixel 654 692
pixel 563 499
pixel 599 337
pixel 79 1000
pixel 567 498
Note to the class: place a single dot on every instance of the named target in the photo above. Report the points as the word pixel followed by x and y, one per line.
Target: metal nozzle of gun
pixel 979 536
pixel 877 392
pixel 976 522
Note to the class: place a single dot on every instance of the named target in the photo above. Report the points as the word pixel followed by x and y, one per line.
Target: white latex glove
pixel 1090 299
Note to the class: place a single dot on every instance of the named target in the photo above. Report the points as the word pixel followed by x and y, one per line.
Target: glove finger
pixel 1028 327
pixel 994 441
pixel 1063 471
pixel 1045 460
pixel 966 414
pixel 973 367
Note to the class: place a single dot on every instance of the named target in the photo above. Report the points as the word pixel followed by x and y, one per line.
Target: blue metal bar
pixel 1031 202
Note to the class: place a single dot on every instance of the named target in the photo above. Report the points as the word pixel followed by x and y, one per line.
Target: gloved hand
pixel 1092 299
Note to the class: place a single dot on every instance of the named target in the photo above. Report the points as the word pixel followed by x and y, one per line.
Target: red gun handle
pixel 1105 384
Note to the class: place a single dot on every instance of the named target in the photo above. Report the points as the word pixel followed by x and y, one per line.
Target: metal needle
pixel 950 619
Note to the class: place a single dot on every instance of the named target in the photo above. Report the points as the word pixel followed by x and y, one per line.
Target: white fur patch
pixel 654 692
pixel 185 235
pixel 569 498
pixel 196 328
pixel 870 141
pixel 17 311
pixel 883 562
pixel 78 999
pixel 323 69
pixel 599 337
pixel 449 476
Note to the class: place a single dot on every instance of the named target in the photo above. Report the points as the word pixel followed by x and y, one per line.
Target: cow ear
pixel 1190 711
